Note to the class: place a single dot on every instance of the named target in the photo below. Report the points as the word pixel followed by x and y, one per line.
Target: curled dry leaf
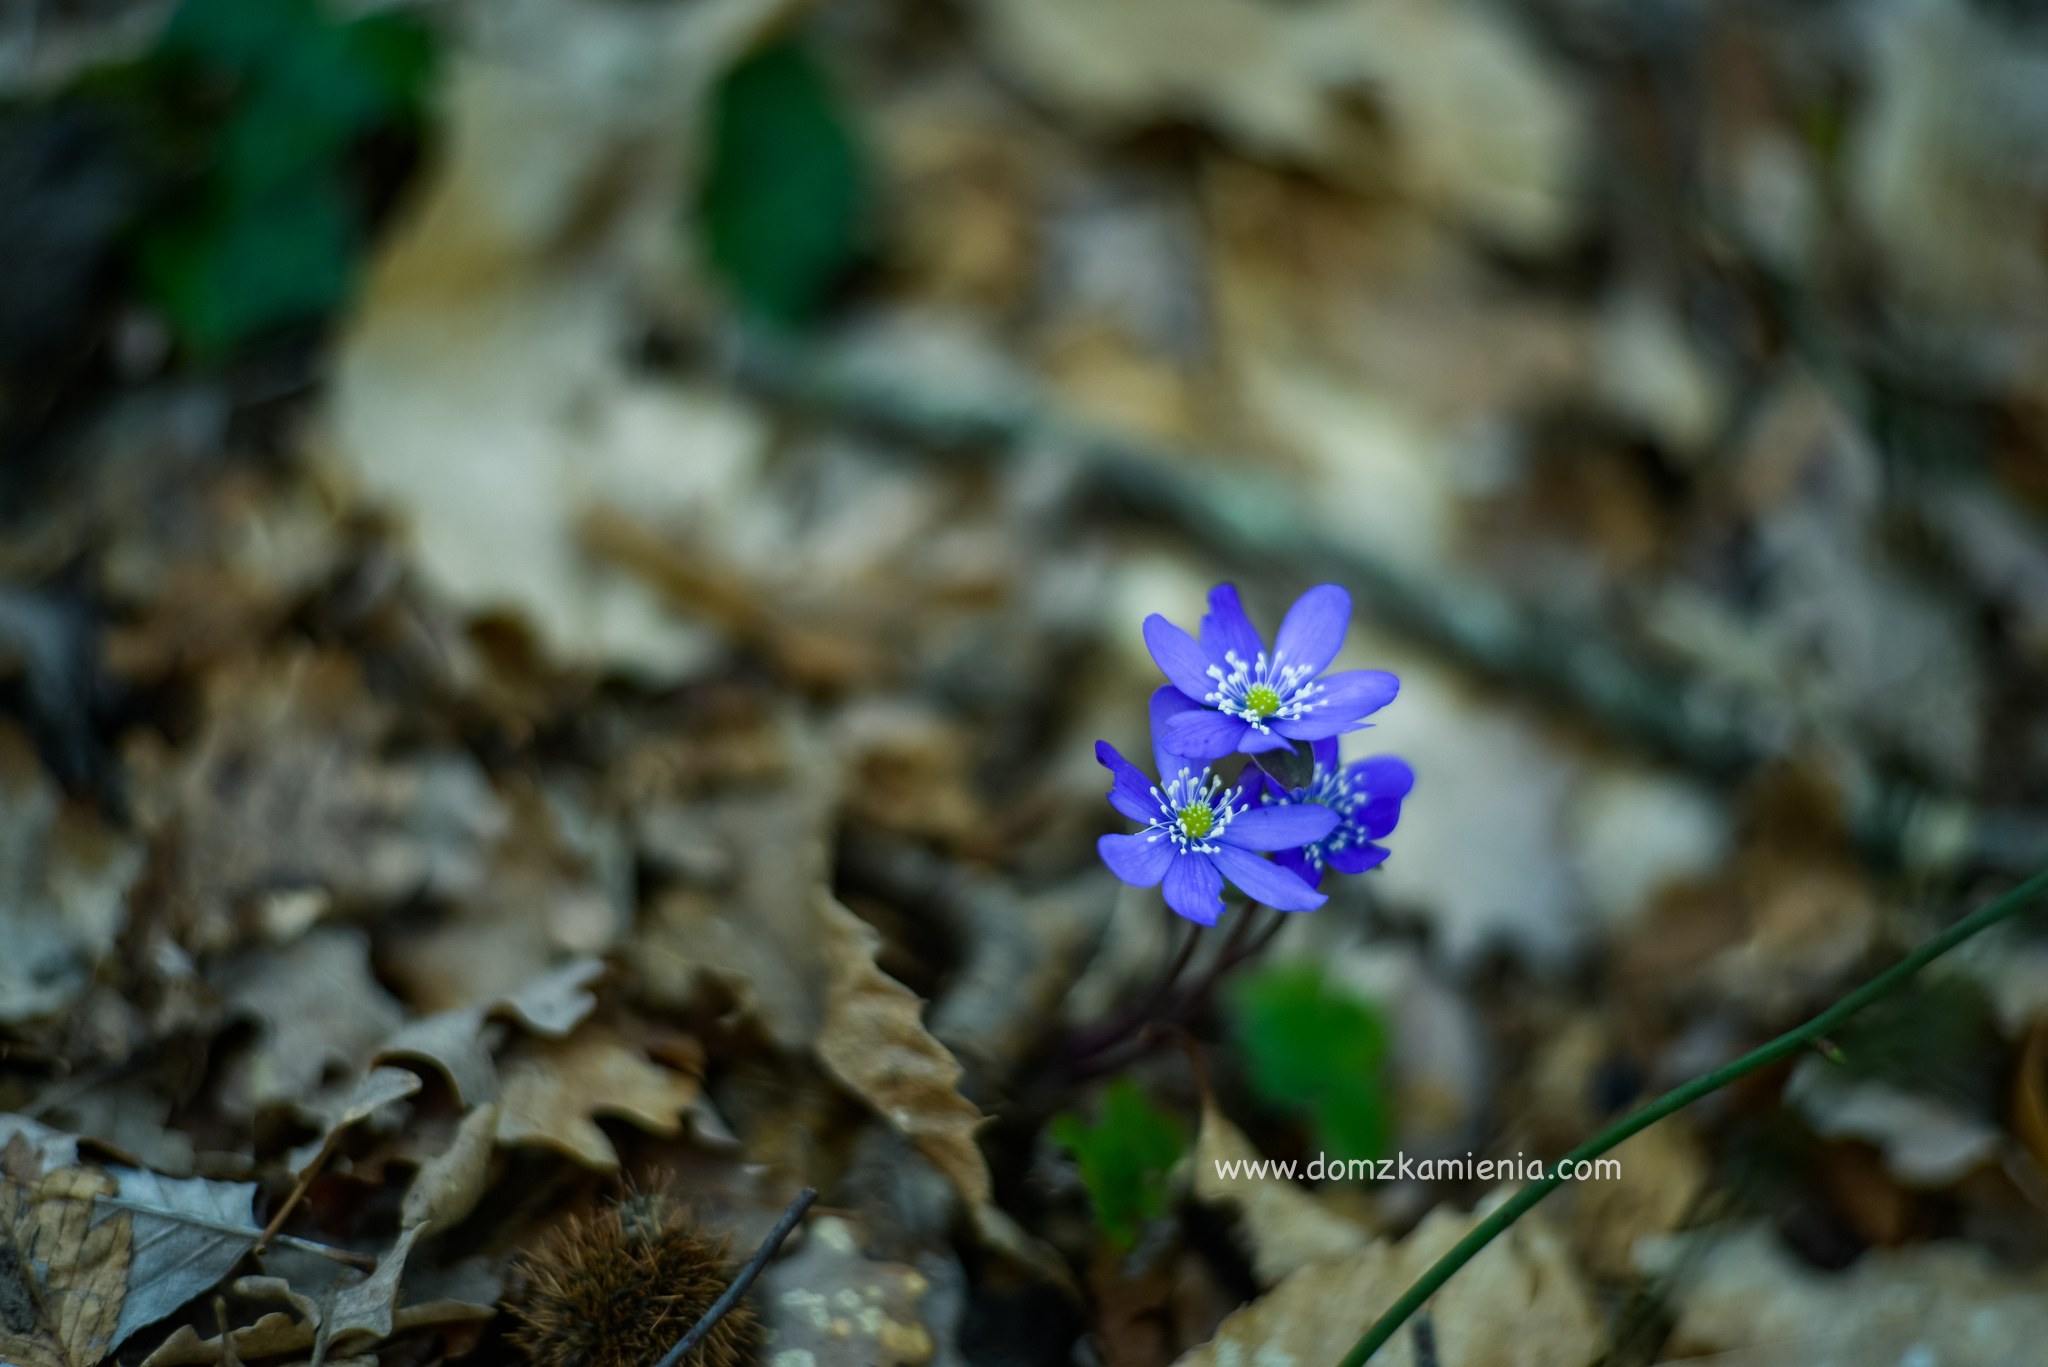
pixel 874 1041
pixel 1288 1229
pixel 830 1306
pixel 451 1183
pixel 554 1087
pixel 1517 1304
pixel 455 1041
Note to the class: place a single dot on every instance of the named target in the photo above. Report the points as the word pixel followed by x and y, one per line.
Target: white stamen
pixel 1292 685
pixel 1188 789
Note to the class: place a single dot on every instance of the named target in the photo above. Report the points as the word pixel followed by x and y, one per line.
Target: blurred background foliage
pixel 585 452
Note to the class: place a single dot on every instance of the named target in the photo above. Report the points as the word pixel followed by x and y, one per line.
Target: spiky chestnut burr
pixel 619 1287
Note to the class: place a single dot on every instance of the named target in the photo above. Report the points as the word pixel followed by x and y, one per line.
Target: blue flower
pixel 1251 701
pixel 1197 832
pixel 1364 795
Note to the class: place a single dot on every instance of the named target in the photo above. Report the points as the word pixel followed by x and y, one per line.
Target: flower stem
pixel 1091 1044
pixel 1791 1042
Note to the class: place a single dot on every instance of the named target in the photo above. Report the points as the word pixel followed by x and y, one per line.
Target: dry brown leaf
pixel 874 1041
pixel 79 1269
pixel 1519 1303
pixel 1287 1227
pixel 287 790
pixel 758 936
pixel 554 1087
pixel 1663 1173
pixel 837 1308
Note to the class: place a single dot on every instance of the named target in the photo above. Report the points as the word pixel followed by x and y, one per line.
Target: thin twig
pixel 731 1296
pixel 1784 1046
pixel 298 1191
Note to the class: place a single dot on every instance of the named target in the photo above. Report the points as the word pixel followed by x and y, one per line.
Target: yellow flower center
pixel 1261 700
pixel 1196 820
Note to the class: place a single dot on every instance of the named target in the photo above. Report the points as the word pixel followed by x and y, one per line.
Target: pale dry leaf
pixel 450 1184
pixel 273 1334
pixel 452 1042
pixel 1288 1229
pixel 493 312
pixel 320 1009
pixel 553 1088
pixel 1483 127
pixel 1519 1303
pixel 115 1250
pixel 64 882
pixel 49 1148
pixel 366 1308
pixel 276 1333
pixel 556 1002
pixel 1741 1297
pixel 1926 1142
pixel 545 901
pixel 836 1307
pixel 374 1090
pixel 188 1233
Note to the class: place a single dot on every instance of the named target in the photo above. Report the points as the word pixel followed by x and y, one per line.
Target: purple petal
pixel 1268 883
pixel 1296 863
pixel 1325 752
pixel 1204 735
pixel 1279 828
pixel 1386 780
pixel 1130 792
pixel 1194 889
pixel 1166 703
pixel 1377 818
pixel 1175 652
pixel 1227 628
pixel 1382 776
pixel 1313 631
pixel 1139 861
pixel 1358 858
pixel 1351 696
pixel 1256 742
pixel 1356 692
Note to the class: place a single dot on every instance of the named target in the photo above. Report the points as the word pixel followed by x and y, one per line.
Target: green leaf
pixel 1312 1048
pixel 266 226
pixel 1125 1158
pixel 223 275
pixel 784 198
